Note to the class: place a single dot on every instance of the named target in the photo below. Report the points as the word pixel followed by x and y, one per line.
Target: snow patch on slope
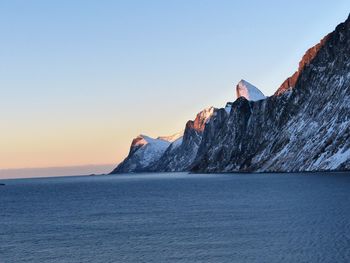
pixel 151 151
pixel 228 107
pixel 249 91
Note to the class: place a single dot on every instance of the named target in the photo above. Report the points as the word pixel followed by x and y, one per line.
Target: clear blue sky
pixel 80 79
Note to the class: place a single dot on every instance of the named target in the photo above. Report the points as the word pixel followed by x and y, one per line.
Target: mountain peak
pixel 248 91
pixel 202 118
pixel 140 140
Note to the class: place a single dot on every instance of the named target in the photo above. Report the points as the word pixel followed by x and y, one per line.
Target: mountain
pixel 144 152
pixel 304 126
pixel 247 90
pixel 310 54
pixel 167 153
pixel 181 154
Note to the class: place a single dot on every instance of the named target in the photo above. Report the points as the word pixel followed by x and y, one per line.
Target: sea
pixel 176 217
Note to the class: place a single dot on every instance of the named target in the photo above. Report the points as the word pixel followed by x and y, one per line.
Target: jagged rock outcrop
pixel 305 126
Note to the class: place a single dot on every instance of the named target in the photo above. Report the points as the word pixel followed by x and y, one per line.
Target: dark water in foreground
pixel 176 218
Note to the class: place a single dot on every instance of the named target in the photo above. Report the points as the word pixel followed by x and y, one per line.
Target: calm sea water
pixel 176 218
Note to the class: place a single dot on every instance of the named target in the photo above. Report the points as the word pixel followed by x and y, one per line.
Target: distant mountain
pixel 304 126
pixel 144 152
pixel 176 152
pixel 167 153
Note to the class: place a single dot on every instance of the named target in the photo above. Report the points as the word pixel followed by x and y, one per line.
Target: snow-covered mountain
pixel 248 91
pixel 144 152
pixel 304 126
pixel 167 153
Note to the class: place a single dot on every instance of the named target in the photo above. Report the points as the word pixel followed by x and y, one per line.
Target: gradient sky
pixel 80 79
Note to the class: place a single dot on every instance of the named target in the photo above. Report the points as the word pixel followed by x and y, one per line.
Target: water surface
pixel 176 218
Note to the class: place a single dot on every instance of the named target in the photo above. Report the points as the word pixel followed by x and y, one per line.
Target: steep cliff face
pixel 305 126
pixel 310 54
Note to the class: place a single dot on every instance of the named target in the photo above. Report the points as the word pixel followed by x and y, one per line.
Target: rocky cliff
pixel 305 126
pixel 167 153
pixel 181 156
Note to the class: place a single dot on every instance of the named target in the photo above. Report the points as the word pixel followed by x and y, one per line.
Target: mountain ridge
pixel 304 126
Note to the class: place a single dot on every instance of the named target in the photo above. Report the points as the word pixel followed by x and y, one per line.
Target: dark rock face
pixel 305 127
pixel 180 158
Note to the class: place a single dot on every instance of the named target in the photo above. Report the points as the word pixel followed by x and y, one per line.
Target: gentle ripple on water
pixel 177 218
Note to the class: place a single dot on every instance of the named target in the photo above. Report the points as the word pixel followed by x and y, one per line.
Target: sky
pixel 80 79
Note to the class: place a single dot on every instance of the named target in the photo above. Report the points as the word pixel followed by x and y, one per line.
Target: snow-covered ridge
pixel 246 90
pixel 249 91
pixel 142 140
pixel 145 151
pixel 174 152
